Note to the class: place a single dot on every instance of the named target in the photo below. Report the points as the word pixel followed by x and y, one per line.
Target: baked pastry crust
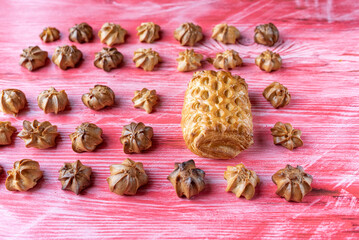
pixel 269 61
pixel 216 115
pixel 86 138
pixel 241 181
pixel 81 33
pixel 292 183
pixel 66 57
pixel 50 34
pixel 148 32
pixel 277 95
pixel 126 178
pixel 266 34
pixel 75 176
pixel 111 34
pixel 23 176
pixel 33 58
pixel 52 101
pixel 187 179
pixel 225 34
pixel 6 131
pixel 188 34
pixel 12 101
pixel 39 135
pixel 188 60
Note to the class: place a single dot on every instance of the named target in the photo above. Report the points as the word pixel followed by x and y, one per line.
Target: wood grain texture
pixel 318 43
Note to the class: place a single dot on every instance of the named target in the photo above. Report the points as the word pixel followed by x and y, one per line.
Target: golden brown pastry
pixel 126 178
pixel 39 135
pixel 108 58
pixel 50 34
pixel 285 135
pixel 277 95
pixel 241 181
pixel 189 60
pixel 188 34
pixel 12 101
pixel 6 131
pixel 52 101
pixel 99 97
pixel 227 60
pixel 112 34
pixel 24 176
pixel 33 58
pixel 148 32
pixel 225 34
pixel 66 57
pixel 216 115
pixel 292 183
pixel 136 137
pixel 86 138
pixel 81 33
pixel 145 99
pixel 75 176
pixel 146 59
pixel 269 61
pixel 266 34
pixel 187 179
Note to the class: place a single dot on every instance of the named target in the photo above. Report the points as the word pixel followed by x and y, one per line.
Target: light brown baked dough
pixel 216 115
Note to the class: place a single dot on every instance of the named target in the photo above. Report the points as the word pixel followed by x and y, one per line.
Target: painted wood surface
pixel 318 43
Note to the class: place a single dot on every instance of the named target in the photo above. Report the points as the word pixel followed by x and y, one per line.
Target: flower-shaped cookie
pixel 86 138
pixel 225 34
pixel 99 97
pixel 146 59
pixel 112 34
pixel 269 61
pixel 50 34
pixel 6 131
pixel 277 95
pixel 24 176
pixel 188 34
pixel 75 176
pixel 33 58
pixel 12 101
pixel 266 34
pixel 52 101
pixel 126 178
pixel 39 135
pixel 285 135
pixel 227 60
pixel 136 137
pixel 187 179
pixel 241 181
pixel 66 57
pixel 145 99
pixel 81 33
pixel 292 183
pixel 148 32
pixel 188 60
pixel 108 58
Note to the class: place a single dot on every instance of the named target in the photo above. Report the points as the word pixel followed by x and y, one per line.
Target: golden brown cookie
pixel 136 137
pixel 285 135
pixel 50 34
pixel 86 138
pixel 33 58
pixel 188 34
pixel 145 99
pixel 266 34
pixel 277 95
pixel 108 58
pixel 81 33
pixel 112 34
pixel 99 97
pixel 6 132
pixel 269 61
pixel 52 101
pixel 146 59
pixel 229 59
pixel 66 57
pixel 188 60
pixel 12 101
pixel 148 32
pixel 225 34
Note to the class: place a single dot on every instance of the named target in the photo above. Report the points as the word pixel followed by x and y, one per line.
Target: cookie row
pixel 188 180
pixel 12 101
pixel 188 34
pixel 67 56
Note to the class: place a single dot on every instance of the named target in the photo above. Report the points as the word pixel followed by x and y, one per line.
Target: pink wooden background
pixel 319 45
